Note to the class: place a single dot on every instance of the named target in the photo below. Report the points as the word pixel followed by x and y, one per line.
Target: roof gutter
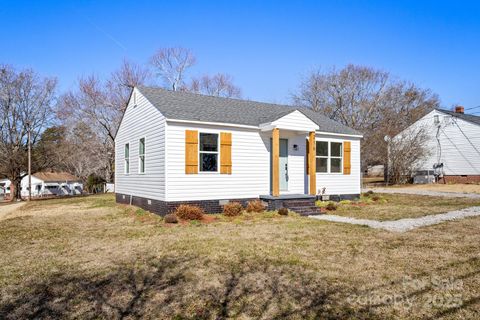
pixel 340 134
pixel 223 124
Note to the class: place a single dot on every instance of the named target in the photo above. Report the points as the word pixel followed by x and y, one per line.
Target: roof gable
pixel 178 105
pixel 467 117
pixel 295 120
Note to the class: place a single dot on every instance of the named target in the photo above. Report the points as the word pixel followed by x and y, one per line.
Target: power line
pixel 473 108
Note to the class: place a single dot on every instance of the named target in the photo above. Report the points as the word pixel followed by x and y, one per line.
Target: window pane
pixel 141 147
pixel 208 162
pixel 335 165
pixel 127 150
pixel 142 164
pixel 322 148
pixel 336 149
pixel 208 142
pixel 321 164
pixel 127 166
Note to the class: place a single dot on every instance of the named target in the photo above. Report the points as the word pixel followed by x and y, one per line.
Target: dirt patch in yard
pixel 96 260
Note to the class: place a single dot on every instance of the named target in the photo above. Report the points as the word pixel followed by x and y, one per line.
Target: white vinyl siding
pixel 458 145
pixel 250 166
pixel 141 120
pixel 295 121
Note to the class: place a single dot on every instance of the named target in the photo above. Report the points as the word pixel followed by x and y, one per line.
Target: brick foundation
pixel 210 206
pixel 460 179
pixel 163 207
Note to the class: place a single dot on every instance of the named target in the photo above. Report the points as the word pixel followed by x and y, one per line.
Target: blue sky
pixel 265 45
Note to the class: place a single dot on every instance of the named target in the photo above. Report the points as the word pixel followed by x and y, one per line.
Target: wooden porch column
pixel 311 164
pixel 275 162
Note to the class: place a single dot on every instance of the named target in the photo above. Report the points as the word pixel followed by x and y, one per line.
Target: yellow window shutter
pixel 225 153
pixel 347 157
pixel 191 151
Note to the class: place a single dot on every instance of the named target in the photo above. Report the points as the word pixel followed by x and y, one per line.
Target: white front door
pixel 283 164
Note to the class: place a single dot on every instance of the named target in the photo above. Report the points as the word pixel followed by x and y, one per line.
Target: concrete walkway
pixel 403 225
pixel 425 192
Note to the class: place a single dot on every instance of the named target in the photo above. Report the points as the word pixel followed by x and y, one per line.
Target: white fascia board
pixel 213 123
pixel 340 134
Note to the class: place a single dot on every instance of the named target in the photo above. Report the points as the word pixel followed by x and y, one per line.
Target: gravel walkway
pixel 403 225
pixel 425 192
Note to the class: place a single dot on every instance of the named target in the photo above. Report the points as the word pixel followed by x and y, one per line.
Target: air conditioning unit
pixel 424 177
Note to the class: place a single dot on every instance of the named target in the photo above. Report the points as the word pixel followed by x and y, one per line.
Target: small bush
pixel 345 202
pixel 188 212
pixel 321 204
pixel 255 206
pixel 170 218
pixel 331 206
pixel 232 209
pixel 283 211
pixel 376 197
pixel 369 193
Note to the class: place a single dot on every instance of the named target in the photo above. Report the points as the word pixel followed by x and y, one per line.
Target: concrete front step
pixel 299 203
pixel 306 210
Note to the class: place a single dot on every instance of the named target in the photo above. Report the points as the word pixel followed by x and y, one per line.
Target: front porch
pixel 283 172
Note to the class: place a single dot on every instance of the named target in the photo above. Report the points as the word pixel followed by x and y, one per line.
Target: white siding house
pixel 207 150
pixel 453 143
pixel 46 184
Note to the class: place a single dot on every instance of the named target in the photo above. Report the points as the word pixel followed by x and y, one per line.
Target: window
pixel 141 155
pixel 208 152
pixel 127 158
pixel 322 156
pixel 329 157
pixel 336 157
pixel 436 119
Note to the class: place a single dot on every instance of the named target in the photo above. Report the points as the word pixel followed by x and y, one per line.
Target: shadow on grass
pixel 183 288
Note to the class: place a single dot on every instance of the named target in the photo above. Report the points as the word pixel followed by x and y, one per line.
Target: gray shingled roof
pixel 196 107
pixel 463 116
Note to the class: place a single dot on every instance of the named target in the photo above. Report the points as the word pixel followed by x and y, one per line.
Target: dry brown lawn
pixel 89 258
pixel 461 188
pixel 400 206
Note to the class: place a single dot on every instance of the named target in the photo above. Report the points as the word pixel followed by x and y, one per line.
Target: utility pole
pixel 387 140
pixel 29 163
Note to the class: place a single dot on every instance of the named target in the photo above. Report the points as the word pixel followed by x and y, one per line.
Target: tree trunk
pixel 15 188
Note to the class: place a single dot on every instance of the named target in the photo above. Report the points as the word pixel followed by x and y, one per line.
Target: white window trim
pixel 144 156
pixel 126 158
pixel 212 152
pixel 322 157
pixel 335 157
pixel 329 157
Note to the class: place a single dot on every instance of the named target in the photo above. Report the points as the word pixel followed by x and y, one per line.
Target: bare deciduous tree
pixel 368 100
pixel 351 95
pixel 219 85
pixel 170 64
pixel 101 104
pixel 405 154
pixel 26 102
